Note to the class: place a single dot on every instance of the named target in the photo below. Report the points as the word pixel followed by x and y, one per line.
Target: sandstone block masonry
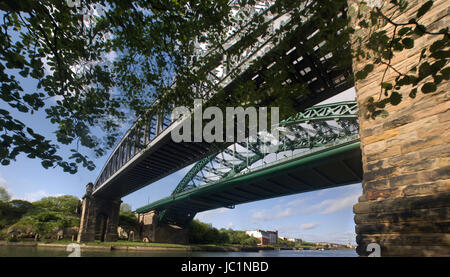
pixel 99 218
pixel 153 231
pixel 405 203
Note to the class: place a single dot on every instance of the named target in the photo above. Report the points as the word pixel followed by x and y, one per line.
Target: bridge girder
pixel 318 127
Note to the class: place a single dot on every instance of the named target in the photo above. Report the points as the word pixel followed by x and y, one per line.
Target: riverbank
pixel 138 246
pixel 157 247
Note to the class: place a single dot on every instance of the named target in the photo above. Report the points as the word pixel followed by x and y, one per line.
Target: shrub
pixel 11 239
pixel 48 216
pixel 127 219
pixel 11 212
pixel 250 241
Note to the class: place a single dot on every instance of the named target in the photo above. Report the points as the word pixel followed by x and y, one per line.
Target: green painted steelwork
pixel 318 133
pixel 343 113
pixel 261 173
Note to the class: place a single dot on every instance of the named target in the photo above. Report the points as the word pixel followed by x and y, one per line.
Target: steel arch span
pixel 317 148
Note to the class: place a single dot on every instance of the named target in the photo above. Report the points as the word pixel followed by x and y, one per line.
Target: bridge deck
pixel 312 170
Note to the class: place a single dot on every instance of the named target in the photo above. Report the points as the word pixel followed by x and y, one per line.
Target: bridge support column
pixel 153 231
pixel 405 205
pixel 99 218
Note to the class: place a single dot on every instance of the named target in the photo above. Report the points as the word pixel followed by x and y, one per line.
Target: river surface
pixel 32 251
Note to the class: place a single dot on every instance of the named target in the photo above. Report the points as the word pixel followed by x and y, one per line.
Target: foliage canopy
pixel 98 64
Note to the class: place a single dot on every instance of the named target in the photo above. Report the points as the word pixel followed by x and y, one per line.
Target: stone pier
pixel 99 218
pixel 405 203
pixel 153 231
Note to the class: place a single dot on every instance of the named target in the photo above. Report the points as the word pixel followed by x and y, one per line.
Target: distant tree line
pixel 203 233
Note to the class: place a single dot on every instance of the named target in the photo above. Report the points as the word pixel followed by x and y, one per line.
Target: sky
pixel 324 215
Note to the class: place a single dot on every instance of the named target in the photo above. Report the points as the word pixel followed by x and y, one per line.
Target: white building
pixel 266 237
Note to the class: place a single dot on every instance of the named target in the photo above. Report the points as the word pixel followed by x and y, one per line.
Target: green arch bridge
pixel 318 148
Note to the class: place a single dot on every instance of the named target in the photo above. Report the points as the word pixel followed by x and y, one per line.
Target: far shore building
pixel 290 239
pixel 266 237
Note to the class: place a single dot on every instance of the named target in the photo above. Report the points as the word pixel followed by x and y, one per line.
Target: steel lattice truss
pixel 219 75
pixel 317 127
pixel 145 155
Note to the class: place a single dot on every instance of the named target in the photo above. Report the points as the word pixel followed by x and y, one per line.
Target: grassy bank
pixel 141 246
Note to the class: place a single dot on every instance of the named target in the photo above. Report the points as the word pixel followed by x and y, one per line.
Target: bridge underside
pixel 130 168
pixel 161 159
pixel 320 169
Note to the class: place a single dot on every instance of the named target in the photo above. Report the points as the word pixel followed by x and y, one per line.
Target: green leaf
pixel 408 42
pixel 386 86
pixel 395 98
pixel 413 93
pixel 403 31
pixel 441 54
pixel 398 46
pixel 438 79
pixel 361 75
pixel 446 73
pixel 429 87
pixel 424 70
pixel 437 45
pixel 24 73
pixel 424 8
pixel 420 30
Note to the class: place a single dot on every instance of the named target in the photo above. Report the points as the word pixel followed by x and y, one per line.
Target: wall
pixel 406 162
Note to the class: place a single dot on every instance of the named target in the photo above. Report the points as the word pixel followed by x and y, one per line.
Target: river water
pixel 31 251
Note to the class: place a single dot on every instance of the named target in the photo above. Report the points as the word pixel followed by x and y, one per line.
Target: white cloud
pixel 297 202
pixel 341 237
pixel 211 213
pixel 37 195
pixel 309 226
pixel 301 206
pixel 5 185
pixel 346 95
pixel 273 214
pixel 330 206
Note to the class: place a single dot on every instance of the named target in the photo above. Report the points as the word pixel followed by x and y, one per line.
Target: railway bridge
pixel 402 160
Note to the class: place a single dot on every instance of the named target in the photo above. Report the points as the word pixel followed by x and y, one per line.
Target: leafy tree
pixel 42 217
pixel 85 93
pixel 66 204
pixel 203 233
pixel 21 205
pixel 4 195
pixel 127 217
pixel 250 241
pixel 44 223
pixel 124 207
pixel 12 211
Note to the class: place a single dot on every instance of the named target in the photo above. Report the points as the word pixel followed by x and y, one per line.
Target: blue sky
pixel 324 215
